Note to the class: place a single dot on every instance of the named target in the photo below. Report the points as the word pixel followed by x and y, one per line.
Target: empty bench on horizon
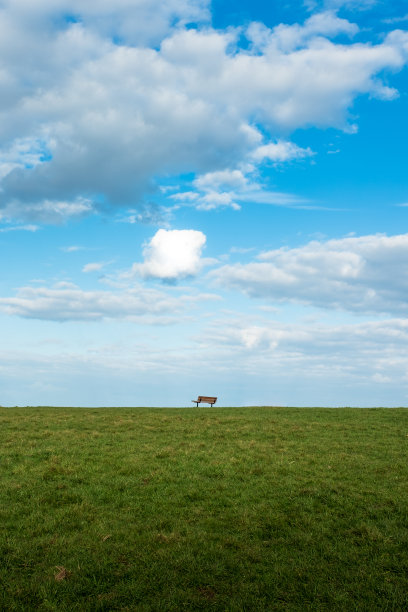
pixel 205 400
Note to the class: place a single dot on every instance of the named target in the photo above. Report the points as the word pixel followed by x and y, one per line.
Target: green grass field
pixel 204 509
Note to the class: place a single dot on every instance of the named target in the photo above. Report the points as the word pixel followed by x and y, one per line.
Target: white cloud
pixel 172 254
pixel 380 338
pixel 221 179
pixel 68 302
pixel 380 378
pixel 393 20
pixel 351 4
pixel 213 190
pixel 325 24
pixel 148 213
pixel 275 198
pixel 95 266
pixel 72 249
pixel 361 274
pixel 358 5
pixel 276 363
pixel 281 151
pixel 313 85
pixel 47 211
pixel 253 193
pixel 17 228
pixel 214 199
pixel 226 188
pixel 287 364
pixel 185 196
pixel 86 122
pixel 141 22
pixel 23 153
pixel 358 352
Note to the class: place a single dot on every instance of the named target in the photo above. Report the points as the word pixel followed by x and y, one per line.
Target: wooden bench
pixel 205 399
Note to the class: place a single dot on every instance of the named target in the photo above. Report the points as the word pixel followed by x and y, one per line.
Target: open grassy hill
pixel 203 509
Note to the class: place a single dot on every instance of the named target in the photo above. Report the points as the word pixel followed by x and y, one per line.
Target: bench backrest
pixel 203 398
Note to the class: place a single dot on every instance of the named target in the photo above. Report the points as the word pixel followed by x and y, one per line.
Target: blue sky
pixel 203 198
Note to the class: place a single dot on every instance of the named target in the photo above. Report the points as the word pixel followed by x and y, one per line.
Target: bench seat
pixel 205 399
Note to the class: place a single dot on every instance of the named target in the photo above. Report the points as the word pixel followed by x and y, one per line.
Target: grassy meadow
pixel 203 509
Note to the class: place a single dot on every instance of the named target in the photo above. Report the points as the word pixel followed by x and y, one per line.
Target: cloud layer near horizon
pixel 94 110
pixel 357 274
pixel 366 274
pixel 68 302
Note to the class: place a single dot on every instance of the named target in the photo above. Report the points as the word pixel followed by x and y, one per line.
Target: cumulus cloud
pixel 214 190
pixel 313 85
pixel 91 115
pixel 68 302
pixel 172 254
pixel 290 37
pixel 228 188
pixel 360 274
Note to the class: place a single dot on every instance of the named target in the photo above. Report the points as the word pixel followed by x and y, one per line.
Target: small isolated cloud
pixel 276 198
pixel 214 190
pixel 16 228
pixel 393 20
pixel 353 5
pixel 172 254
pixel 227 188
pixel 281 151
pixel 253 194
pixel 360 274
pixel 72 249
pixel 222 179
pixel 93 266
pixel 214 199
